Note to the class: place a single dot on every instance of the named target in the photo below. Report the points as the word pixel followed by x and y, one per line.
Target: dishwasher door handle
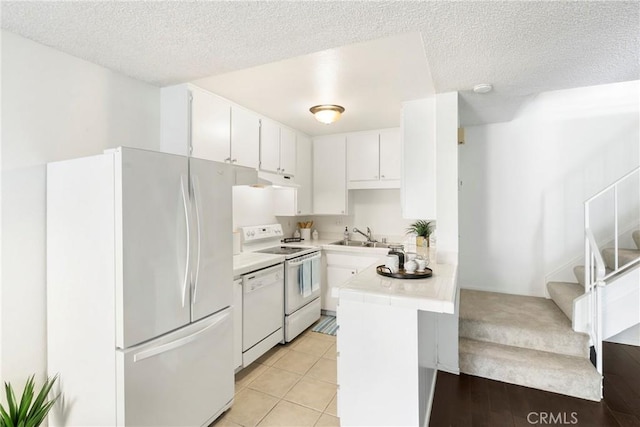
pixel 257 284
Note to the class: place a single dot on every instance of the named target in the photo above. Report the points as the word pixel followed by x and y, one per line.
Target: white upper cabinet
pixel 363 156
pixel 287 151
pixel 289 201
pixel 373 159
pixel 201 124
pixel 390 154
pixel 330 175
pixel 245 137
pixel 210 133
pixel 277 148
pixel 304 176
pixel 270 146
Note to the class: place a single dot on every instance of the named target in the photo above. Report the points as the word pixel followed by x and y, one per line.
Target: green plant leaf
pixel 5 420
pixel 38 403
pixel 421 228
pixel 11 401
pixel 27 396
pixel 39 416
pixel 29 413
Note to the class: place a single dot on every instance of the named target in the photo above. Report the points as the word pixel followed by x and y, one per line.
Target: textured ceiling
pixel 522 48
pixel 370 79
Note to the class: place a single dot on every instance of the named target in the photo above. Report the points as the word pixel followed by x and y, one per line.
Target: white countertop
pixel 436 293
pixel 250 261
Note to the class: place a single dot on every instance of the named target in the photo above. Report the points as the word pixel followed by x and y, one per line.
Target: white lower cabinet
pixel 237 324
pixel 336 275
pixel 341 266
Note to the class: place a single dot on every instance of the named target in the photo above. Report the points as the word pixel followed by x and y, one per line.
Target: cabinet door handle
pixel 375 176
pixel 234 160
pixel 228 159
pixel 381 176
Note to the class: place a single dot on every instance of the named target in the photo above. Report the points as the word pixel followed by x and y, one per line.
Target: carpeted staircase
pixel 529 340
pixel 563 293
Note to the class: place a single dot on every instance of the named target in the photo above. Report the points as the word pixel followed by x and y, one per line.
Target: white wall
pixel 252 206
pixel 524 183
pixel 54 107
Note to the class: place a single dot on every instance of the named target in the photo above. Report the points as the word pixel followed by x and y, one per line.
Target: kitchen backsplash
pixel 379 210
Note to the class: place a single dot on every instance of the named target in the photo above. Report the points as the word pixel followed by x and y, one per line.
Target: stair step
pixel 521 321
pixel 568 375
pixel 636 238
pixel 563 294
pixel 625 256
pixel 579 273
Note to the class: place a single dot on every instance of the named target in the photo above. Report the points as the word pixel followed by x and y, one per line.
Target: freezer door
pixel 212 238
pixel 182 379
pixel 152 295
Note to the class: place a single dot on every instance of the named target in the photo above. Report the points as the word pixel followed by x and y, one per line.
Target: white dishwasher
pixel 262 311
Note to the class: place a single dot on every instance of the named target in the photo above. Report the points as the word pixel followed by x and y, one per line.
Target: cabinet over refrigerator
pixel 139 289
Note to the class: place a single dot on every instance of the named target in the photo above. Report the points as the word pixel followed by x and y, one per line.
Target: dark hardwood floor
pixel 472 401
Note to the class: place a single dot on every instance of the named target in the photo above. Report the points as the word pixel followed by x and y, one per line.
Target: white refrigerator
pixel 139 289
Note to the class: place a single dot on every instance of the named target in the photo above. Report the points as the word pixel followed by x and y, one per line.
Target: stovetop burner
pixel 283 250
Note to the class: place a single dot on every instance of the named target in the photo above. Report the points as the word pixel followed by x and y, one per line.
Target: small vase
pixel 420 241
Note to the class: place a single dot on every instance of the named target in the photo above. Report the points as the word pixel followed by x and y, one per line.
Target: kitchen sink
pixel 360 244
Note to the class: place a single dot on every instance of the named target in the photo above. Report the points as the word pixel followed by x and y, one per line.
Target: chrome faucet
pixel 367 235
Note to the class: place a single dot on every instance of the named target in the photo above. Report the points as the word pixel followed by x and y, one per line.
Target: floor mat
pixel 326 325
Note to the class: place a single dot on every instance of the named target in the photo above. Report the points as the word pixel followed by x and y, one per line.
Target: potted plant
pixel 423 229
pixel 27 412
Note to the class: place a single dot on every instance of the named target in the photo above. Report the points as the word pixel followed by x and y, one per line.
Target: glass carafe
pixel 399 251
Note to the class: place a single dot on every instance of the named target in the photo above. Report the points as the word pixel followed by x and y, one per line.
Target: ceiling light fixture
pixel 327 113
pixel 482 88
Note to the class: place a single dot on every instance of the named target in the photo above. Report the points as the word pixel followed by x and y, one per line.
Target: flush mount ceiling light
pixel 327 113
pixel 482 88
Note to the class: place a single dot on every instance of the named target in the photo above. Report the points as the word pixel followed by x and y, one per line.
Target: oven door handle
pixel 303 260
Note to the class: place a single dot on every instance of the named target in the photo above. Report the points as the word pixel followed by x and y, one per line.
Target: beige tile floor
pixel 291 385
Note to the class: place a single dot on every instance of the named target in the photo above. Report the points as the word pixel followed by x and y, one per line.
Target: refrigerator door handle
pixel 177 343
pixel 196 197
pixel 185 281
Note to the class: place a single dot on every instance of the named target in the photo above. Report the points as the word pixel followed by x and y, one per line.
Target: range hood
pixel 248 176
pixel 276 180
